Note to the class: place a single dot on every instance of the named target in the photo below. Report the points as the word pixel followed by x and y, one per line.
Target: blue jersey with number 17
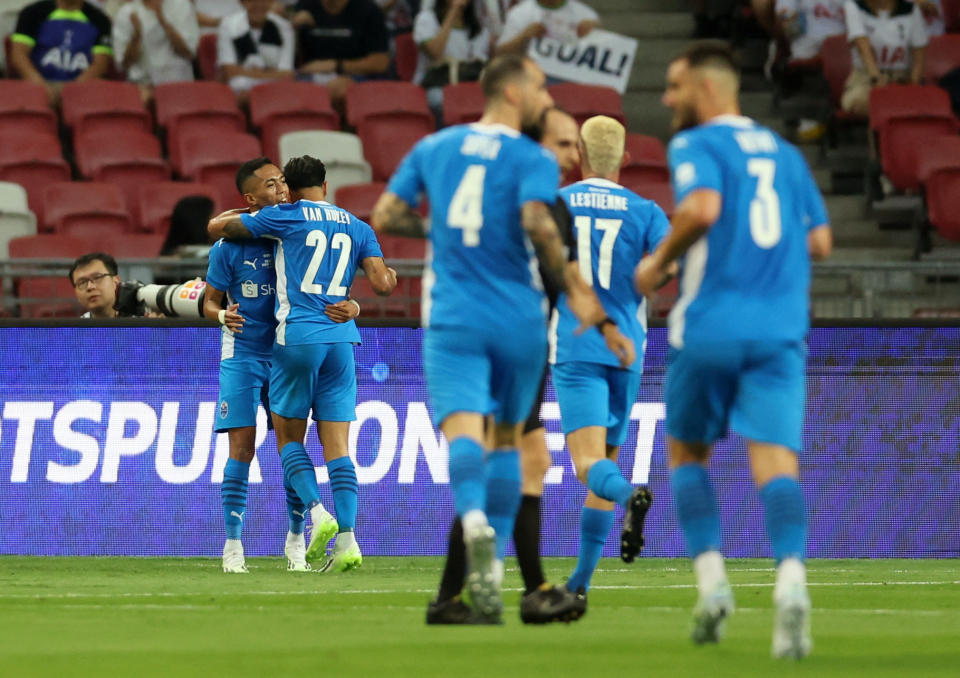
pixel 319 247
pixel 748 278
pixel 614 227
pixel 483 271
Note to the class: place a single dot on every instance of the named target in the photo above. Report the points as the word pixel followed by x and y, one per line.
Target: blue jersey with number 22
pixel 748 278
pixel 319 247
pixel 483 272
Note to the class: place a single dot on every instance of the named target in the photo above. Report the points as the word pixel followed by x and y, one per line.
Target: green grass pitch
pixel 183 617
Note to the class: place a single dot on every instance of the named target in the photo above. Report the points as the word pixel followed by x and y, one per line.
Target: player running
pixel 489 189
pixel 318 250
pixel 542 602
pixel 749 217
pixel 614 228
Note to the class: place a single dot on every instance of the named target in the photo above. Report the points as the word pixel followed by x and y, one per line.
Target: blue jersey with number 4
pixel 483 272
pixel 319 247
pixel 243 269
pixel 613 227
pixel 748 278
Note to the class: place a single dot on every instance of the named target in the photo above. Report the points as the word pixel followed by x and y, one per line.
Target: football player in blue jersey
pixel 749 218
pixel 614 227
pixel 319 248
pixel 489 189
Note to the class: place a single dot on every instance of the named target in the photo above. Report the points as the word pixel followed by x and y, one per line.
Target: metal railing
pixel 840 290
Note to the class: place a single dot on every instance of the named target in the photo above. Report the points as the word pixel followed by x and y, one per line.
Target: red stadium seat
pixel 396 305
pixel 664 299
pixel 837 66
pixel 214 158
pixel 586 101
pixel 395 247
pixel 33 161
pixel 900 138
pixel 951 14
pixel 284 106
pixel 388 138
pixel 85 209
pixel 49 297
pixel 647 162
pixel 104 105
pixel 136 245
pixel 195 108
pixel 48 246
pixel 24 107
pixel 939 169
pixel 207 57
pixel 99 149
pixel 359 199
pixel 382 96
pixel 942 55
pixel 896 101
pixel 659 191
pixel 155 202
pixel 462 103
pixel 407 56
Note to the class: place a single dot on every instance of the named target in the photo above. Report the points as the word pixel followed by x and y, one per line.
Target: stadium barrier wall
pixel 106 448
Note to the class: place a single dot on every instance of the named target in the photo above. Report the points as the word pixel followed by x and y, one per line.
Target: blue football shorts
pixel 318 376
pixel 243 386
pixel 491 371
pixel 591 394
pixel 757 388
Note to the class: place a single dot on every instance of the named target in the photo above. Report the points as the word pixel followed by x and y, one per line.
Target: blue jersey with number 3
pixel 749 276
pixel 319 247
pixel 613 227
pixel 483 271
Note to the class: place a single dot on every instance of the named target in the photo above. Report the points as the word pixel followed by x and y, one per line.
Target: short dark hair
pixel 716 53
pixel 304 172
pixel 109 263
pixel 247 169
pixel 500 72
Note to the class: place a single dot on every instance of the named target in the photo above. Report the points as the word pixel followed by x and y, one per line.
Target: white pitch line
pixel 233 593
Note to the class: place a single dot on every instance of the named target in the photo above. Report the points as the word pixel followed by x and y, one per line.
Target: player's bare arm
pixel 820 242
pixel 382 278
pixel 691 220
pixel 565 274
pixel 342 311
pixel 227 225
pixel 213 308
pixel 393 215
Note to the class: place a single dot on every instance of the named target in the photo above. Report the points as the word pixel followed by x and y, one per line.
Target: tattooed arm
pixel 393 215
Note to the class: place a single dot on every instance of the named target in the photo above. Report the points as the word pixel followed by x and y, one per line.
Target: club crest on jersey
pixel 224 409
pixel 249 289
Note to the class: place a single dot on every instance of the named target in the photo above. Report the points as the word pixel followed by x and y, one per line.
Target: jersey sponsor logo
pixel 252 264
pixel 65 60
pixel 249 289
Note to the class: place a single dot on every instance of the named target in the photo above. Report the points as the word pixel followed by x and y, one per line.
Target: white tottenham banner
pixel 599 58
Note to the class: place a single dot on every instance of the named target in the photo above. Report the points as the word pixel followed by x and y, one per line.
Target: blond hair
pixel 603 142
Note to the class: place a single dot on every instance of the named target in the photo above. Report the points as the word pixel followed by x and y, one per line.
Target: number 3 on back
pixel 765 226
pixel 466 208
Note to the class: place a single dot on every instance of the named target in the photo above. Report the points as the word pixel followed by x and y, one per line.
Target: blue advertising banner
pixel 107 448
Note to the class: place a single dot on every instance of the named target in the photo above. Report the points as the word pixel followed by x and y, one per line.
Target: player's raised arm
pixel 691 220
pixel 392 214
pixel 228 225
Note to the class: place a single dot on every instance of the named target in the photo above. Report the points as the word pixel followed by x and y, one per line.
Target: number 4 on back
pixel 466 208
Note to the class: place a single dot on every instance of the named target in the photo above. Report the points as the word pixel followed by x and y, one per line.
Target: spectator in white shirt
pixel 450 46
pixel 564 20
pixel 255 46
pixel 888 38
pixel 155 41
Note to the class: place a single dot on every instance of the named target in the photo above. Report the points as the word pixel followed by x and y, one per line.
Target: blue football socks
pixel 296 509
pixel 233 494
pixel 594 527
pixel 785 517
pixel 343 482
pixel 467 479
pixel 503 495
pixel 607 482
pixel 696 507
pixel 298 473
